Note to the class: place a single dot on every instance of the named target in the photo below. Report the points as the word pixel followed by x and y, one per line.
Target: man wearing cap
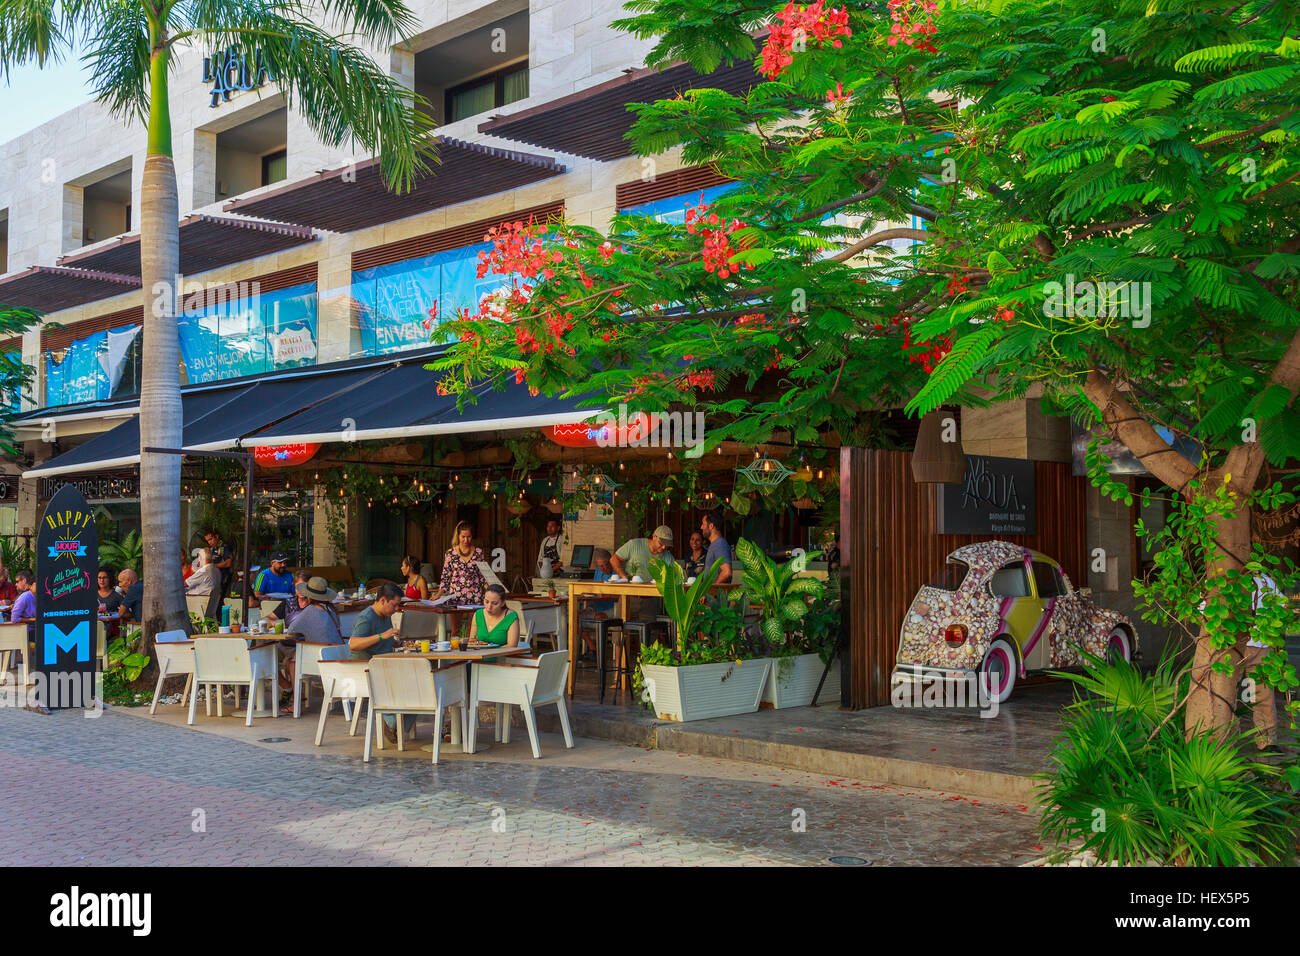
pixel 273 580
pixel 633 559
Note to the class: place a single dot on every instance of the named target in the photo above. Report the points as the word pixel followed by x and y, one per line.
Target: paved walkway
pixel 130 791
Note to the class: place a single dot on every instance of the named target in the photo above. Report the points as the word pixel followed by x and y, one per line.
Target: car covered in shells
pixel 998 611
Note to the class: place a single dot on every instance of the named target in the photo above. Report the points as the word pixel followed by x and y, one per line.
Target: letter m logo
pixel 56 640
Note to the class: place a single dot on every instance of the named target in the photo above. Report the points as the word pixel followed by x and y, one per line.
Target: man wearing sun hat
pixel 633 559
pixel 316 621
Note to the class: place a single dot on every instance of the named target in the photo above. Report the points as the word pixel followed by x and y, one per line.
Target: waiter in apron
pixel 551 546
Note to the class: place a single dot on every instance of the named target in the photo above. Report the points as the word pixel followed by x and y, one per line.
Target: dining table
pixel 474 655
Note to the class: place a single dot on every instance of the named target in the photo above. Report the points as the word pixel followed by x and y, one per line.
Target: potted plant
pixel 709 673
pixel 794 621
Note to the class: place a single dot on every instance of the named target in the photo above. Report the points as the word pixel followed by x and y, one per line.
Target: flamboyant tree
pixel 132 46
pixel 941 203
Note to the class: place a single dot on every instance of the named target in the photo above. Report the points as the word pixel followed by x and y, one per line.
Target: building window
pixel 475 71
pixel 98 205
pixel 275 167
pixel 488 92
pixel 252 154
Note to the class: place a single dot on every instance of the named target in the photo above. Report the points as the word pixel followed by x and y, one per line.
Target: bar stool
pixel 602 625
pixel 632 635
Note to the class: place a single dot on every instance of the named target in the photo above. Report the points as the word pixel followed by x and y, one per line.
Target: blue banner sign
pixel 91 368
pixel 673 208
pixel 393 302
pixel 246 336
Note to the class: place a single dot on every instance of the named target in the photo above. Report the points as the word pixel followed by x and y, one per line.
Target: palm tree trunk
pixel 160 393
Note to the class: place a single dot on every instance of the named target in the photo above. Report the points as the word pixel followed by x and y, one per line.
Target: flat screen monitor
pixel 580 560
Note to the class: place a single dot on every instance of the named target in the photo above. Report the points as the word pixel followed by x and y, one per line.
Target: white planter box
pixel 706 690
pixel 792 681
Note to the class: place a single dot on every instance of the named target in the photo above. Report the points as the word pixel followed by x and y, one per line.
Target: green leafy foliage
pixel 782 598
pixel 126 553
pixel 1127 783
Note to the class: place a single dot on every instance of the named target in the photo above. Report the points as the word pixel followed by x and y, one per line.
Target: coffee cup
pixel 443 645
pixel 424 647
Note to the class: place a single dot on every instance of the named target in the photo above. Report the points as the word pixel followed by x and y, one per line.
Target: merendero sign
pixel 67 565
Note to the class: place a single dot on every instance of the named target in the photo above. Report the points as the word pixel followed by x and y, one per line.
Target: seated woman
pixel 316 623
pixel 105 593
pixel 416 587
pixel 494 623
pixel 206 575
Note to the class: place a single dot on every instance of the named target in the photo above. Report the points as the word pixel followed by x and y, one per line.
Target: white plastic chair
pixel 341 679
pixel 197 603
pixel 13 638
pixel 530 684
pixel 306 665
pixel 410 686
pixel 175 653
pixel 228 660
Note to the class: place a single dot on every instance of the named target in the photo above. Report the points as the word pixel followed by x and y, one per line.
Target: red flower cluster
pixel 913 33
pixel 811 24
pixel 717 240
pixel 836 96
pixel 702 379
pixel 926 354
pixel 517 247
pixel 1007 313
pixel 957 285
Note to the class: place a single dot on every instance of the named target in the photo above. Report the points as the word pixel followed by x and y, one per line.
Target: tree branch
pixel 1123 421
pixel 1249 132
pixel 876 238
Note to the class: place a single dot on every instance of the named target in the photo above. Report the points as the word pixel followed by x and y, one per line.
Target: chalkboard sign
pixel 996 496
pixel 67 566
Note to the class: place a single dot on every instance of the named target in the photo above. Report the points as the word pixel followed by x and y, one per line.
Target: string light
pixel 821 473
pixel 620 466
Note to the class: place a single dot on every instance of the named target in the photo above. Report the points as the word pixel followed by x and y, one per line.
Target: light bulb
pixel 821 473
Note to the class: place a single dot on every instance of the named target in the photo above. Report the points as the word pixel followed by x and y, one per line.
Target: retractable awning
pixel 595 122
pixel 216 416
pixel 207 242
pixel 377 398
pixel 356 196
pixel 404 403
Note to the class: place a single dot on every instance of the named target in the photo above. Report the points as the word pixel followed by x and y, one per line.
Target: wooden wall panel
pixel 889 549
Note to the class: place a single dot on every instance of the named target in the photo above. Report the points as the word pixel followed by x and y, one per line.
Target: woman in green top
pixel 493 623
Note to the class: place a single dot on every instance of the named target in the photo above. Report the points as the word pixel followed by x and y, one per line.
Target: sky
pixel 33 95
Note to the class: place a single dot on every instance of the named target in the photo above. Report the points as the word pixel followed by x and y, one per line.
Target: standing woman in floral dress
pixel 460 573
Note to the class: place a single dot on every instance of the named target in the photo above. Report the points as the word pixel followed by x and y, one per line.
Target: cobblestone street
pixel 211 800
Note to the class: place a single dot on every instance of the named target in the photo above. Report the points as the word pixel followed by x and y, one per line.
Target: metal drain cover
pixel 274 740
pixel 849 861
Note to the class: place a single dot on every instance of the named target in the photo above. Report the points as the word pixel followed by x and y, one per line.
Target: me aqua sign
pixel 230 72
pixel 67 565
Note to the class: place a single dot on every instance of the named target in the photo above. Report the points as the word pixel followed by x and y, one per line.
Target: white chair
pixel 175 653
pixel 197 604
pixel 228 660
pixel 341 679
pixel 306 665
pixel 101 645
pixel 13 638
pixel 530 684
pixel 410 686
pixel 269 606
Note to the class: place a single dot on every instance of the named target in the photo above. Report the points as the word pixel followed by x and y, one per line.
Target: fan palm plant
pixel 132 47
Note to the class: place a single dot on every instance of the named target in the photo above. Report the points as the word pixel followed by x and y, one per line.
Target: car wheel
pixel 1118 646
pixel 998 672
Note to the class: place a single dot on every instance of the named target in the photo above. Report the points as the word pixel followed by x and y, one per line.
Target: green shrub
pixel 1129 785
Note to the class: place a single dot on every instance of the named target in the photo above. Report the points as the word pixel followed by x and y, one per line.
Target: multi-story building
pixel 294 254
